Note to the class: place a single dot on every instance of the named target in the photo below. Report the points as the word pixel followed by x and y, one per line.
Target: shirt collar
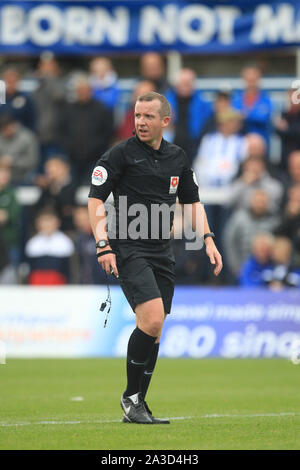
pixel 150 149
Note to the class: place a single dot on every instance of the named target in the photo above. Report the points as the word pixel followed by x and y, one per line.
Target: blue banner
pixel 99 27
pixel 204 322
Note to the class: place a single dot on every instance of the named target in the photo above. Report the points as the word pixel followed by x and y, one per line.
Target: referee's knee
pixel 154 327
pixel 150 318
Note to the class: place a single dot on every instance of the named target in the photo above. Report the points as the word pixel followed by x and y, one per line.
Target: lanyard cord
pixel 107 302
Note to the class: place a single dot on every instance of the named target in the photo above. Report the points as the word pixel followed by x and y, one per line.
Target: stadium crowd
pixel 52 137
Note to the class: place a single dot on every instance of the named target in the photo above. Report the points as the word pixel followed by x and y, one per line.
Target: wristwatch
pixel 209 234
pixel 102 243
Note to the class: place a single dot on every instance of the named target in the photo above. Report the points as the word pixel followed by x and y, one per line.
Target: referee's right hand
pixel 108 262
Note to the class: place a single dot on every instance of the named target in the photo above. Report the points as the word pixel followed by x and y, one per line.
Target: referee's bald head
pixel 165 109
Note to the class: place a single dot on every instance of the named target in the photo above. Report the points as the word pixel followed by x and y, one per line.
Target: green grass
pixel 37 391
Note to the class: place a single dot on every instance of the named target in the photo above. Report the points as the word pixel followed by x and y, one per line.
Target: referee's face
pixel 149 124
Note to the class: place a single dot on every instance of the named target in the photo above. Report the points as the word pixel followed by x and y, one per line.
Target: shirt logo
pixel 174 180
pixel 99 175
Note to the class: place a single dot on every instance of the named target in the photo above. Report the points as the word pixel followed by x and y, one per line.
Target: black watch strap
pixel 102 243
pixel 106 252
pixel 209 234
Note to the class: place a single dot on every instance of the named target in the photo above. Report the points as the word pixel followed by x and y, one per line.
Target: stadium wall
pixel 65 322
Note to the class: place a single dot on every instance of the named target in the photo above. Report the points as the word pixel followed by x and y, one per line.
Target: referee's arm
pixel 97 216
pixel 199 214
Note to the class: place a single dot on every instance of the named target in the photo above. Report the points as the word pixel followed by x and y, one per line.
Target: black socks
pixel 146 377
pixel 139 349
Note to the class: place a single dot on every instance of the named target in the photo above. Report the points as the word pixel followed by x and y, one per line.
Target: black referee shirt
pixel 145 176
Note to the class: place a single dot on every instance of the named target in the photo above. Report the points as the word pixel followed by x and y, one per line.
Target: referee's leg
pixel 149 320
pixel 150 317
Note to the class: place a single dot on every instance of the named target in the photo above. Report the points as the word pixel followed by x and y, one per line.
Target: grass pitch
pixel 214 403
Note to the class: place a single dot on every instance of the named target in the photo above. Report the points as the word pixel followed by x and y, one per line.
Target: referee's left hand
pixel 108 262
pixel 215 257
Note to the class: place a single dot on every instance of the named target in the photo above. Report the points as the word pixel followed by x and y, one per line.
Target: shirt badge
pixel 99 175
pixel 174 180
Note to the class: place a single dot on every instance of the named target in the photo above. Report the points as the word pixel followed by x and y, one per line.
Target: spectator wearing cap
pixel 254 104
pixel 190 111
pixel 48 252
pixel 17 103
pixel 18 150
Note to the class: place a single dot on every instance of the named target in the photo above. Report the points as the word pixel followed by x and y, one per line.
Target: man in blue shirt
pixel 254 103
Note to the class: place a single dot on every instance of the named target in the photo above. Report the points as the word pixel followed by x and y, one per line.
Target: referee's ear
pixel 166 121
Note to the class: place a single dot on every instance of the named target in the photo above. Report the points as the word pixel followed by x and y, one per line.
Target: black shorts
pixel 147 275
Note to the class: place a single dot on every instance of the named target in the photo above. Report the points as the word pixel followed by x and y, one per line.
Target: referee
pixel 144 170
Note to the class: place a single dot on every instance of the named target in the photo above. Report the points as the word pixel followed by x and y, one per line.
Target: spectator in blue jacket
pixel 254 103
pixel 104 82
pixel 190 112
pixel 284 271
pixel 252 270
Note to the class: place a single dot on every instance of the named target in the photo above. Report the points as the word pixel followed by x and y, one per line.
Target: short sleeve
pixel 106 173
pixel 188 191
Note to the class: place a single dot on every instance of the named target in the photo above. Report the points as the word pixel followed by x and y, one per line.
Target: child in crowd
pixel 49 251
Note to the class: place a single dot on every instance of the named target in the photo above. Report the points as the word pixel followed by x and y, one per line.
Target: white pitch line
pixel 174 418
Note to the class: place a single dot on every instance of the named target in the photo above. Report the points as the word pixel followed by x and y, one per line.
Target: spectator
pixel 18 104
pixel 292 177
pixel 217 163
pixel 255 145
pixel 104 82
pixel 48 252
pixel 254 175
pixel 288 129
pixel 152 69
pixel 89 269
pixel 128 125
pixel 243 225
pixel 190 112
pixel 87 130
pixel 259 260
pixel 9 220
pixel 5 271
pixel 58 190
pixel 220 153
pixel 283 273
pixel 222 103
pixel 18 150
pixel 294 168
pixel 50 102
pixel 254 104
pixel 289 225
